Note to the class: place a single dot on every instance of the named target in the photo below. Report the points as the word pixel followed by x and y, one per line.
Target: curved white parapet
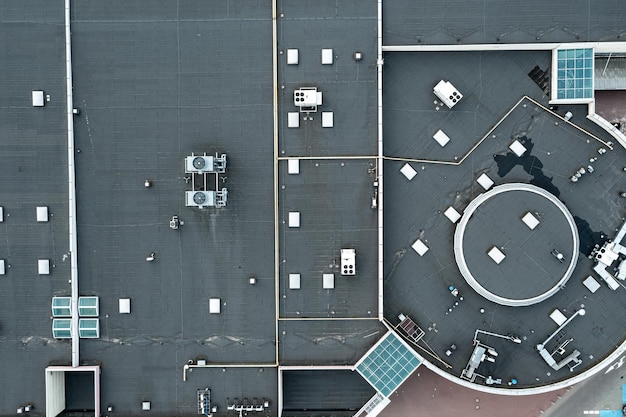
pixel 610 129
pixel 460 233
pixel 609 362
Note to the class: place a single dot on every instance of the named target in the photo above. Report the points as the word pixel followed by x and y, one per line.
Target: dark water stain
pixel 534 167
pixel 531 164
pixel 588 238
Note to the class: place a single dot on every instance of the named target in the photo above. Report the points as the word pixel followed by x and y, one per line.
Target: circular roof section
pixel 516 244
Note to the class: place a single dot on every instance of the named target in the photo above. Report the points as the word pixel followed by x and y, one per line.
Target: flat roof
pixel 155 81
pixel 152 92
pixel 555 152
pixel 450 23
pixel 33 165
pixel 533 263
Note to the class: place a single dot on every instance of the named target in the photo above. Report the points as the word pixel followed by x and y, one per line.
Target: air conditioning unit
pixel 200 198
pixel 199 164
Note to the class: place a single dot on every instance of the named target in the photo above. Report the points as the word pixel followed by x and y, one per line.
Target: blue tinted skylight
pixel 388 364
pixel 61 328
pixel 574 73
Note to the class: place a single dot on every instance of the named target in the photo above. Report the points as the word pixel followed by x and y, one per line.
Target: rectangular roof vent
pixel 38 99
pixel 328 119
pixel 327 56
pixel 292 56
pixel 530 220
pixel 294 281
pixel 517 148
pixel 408 171
pixel 294 219
pixel 496 255
pixel 43 266
pixel 215 305
pixel 124 305
pixel 484 181
pixel 293 119
pixel 328 281
pixel 441 138
pixel 42 214
pixel 420 247
pixel 293 166
pixel 452 214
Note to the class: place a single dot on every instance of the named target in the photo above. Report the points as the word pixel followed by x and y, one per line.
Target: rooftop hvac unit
pixel 348 260
pixel 199 164
pixel 200 198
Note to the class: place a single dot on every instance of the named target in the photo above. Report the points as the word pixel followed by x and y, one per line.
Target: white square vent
pixel 496 255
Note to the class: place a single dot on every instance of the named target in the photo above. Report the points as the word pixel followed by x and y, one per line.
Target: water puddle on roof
pixel 530 163
pixel 534 167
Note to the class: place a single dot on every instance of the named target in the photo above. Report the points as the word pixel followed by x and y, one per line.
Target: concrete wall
pixel 55 392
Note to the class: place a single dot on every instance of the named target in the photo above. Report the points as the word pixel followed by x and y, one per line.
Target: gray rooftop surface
pixel 156 83
pixel 348 86
pixel 33 165
pixel 158 80
pixel 529 269
pixel 418 286
pixel 496 21
pixel 327 341
pixel 334 201
pixel 333 190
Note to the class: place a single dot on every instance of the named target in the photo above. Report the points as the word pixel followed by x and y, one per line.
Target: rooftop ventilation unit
pixel 198 164
pixel 201 164
pixel 348 260
pixel 38 98
pixel 200 199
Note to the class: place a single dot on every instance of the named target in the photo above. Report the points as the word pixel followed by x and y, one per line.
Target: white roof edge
pixel 598 46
